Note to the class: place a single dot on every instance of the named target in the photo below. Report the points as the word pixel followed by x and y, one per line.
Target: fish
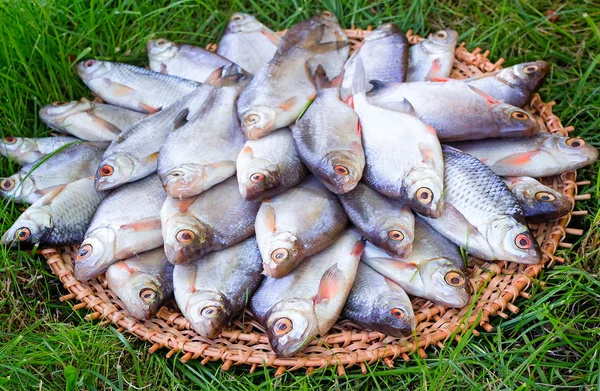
pixel 539 156
pixel 432 57
pixel 185 61
pixel 513 85
pixel 211 221
pixel 142 283
pixel 379 304
pixel 214 289
pixel 126 223
pixel 387 223
pixel 403 155
pixel 457 110
pixel 203 150
pixel 269 166
pixel 384 55
pixel 330 146
pixel 481 214
pixel 134 154
pixel 133 87
pixel 88 120
pixel 25 150
pixel 278 93
pixel 36 179
pixel 296 224
pixel 60 217
pixel 244 32
pixel 540 203
pixel 306 303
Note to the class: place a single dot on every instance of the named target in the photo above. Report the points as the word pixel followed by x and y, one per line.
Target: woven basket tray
pixel 498 285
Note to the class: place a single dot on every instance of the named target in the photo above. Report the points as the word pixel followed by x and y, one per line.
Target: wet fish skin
pixel 538 156
pixel 243 32
pixel 60 217
pixel 432 57
pixel 481 214
pixel 211 221
pixel 29 150
pixel 387 223
pixel 540 203
pixel 214 289
pixel 142 282
pixel 378 303
pixel 286 237
pixel 132 87
pixel 513 85
pixel 269 166
pixel 126 223
pixel 29 184
pixel 307 302
pixel 87 120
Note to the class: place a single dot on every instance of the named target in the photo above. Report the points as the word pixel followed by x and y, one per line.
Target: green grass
pixel 554 341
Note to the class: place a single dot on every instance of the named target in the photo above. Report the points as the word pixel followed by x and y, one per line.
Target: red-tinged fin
pixel 357 145
pixel 117 89
pixel 350 101
pixel 215 77
pixel 401 265
pixel 85 100
pixel 337 81
pixel 247 150
pixel 428 154
pixel 149 109
pixel 53 192
pixel 126 267
pixel 431 130
pixel 359 130
pixel 288 103
pixel 48 190
pixel 184 204
pixel 163 68
pixel 434 71
pixel 518 159
pixel 439 79
pixel 271 35
pixel 489 99
pixel 393 286
pixel 142 225
pixel 330 285
pixel 358 248
pixel 269 217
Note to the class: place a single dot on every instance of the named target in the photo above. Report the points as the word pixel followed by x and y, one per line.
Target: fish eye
pixel 441 34
pixel 185 236
pixel 341 170
pixel 23 234
pixel 530 69
pixel 424 195
pixel 7 184
pixel 10 140
pixel 210 311
pixel 545 196
pixel 282 326
pixel 161 42
pixel 328 14
pixel 252 119
pixel 257 177
pixel 84 252
pixel 60 103
pixel 397 313
pixel 148 295
pixel 237 17
pixel 519 115
pixel 396 235
pixel 575 142
pixel 523 241
pixel 280 254
pixel 106 170
pixel 454 278
pixel 89 63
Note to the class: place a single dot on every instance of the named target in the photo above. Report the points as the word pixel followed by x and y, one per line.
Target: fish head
pixel 290 326
pixel 56 113
pixel 425 191
pixel 280 254
pixel 259 121
pixel 446 282
pixel 186 238
pixel 383 31
pixel 188 180
pixel 441 40
pixel 19 187
pixel 93 69
pixel 16 146
pixel 341 171
pixel 30 228
pixel 114 171
pixel 161 49
pixel 95 253
pixel 208 312
pixel 256 177
pixel 392 315
pixel 243 23
pixel 396 237
pixel 512 241
pixel 513 121
pixel 529 75
pixel 573 149
pixel 539 199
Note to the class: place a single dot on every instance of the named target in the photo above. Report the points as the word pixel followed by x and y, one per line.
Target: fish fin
pixel 349 101
pixel 233 74
pixel 247 150
pixel 152 158
pixel 393 286
pixel 223 169
pixel 518 159
pixel 118 89
pixel 142 225
pixel 436 67
pixel 163 69
pixel 269 217
pixel 313 43
pixel 85 100
pixel 358 248
pixel 181 119
pixel 288 103
pixel 150 109
pixel 359 84
pixel 106 125
pixel 439 79
pixel 47 190
pixel 271 35
pixel 427 153
pixel 330 285
pixel 490 99
pixel 320 78
pixel 184 204
pixel 457 222
pixel 377 86
pixel 356 146
pixel 403 106
pixel 54 191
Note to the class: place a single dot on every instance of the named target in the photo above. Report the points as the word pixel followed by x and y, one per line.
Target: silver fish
pixel 133 87
pixel 248 43
pixel 126 223
pixel 330 146
pixel 60 217
pixel 307 302
pixel 214 289
pixel 213 220
pixel 378 303
pixel 285 237
pixel 385 222
pixel 269 166
pixel 433 57
pixel 513 85
pixel 142 282
pixel 538 156
pixel 29 150
pixel 75 162
pixel 540 203
pixel 89 120
pixel 456 110
pixel 481 214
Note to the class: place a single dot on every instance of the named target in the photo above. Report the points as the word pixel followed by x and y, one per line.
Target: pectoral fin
pixel 518 159
pixel 270 220
pixel 142 225
pixel 330 285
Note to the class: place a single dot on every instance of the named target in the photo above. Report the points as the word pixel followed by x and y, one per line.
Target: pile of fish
pixel 261 175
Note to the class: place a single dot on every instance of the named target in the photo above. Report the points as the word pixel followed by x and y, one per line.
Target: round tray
pixel 497 286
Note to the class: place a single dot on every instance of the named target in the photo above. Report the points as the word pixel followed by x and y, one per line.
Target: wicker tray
pixel 498 285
